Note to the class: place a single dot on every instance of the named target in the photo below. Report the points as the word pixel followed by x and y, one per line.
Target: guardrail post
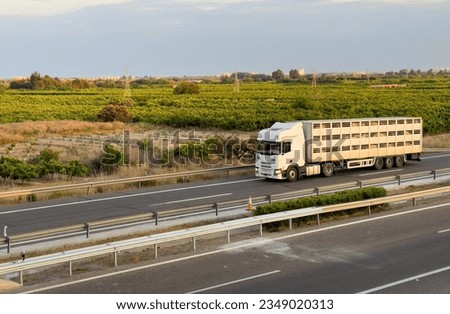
pixel 88 229
pixel 414 201
pixel 370 211
pixel 398 180
pixel 194 244
pixel 360 184
pixel 269 198
pixel 155 248
pixel 317 190
pixel 21 277
pixel 156 218
pixel 261 230
pixel 228 236
pixel 115 258
pixel 318 219
pixel 216 207
pixel 434 174
pixel 70 268
pixel 8 245
pixel 290 224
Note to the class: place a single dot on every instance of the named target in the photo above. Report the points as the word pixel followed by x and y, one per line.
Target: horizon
pixel 286 73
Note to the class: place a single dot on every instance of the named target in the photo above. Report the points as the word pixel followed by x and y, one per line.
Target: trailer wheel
pixel 292 174
pixel 388 162
pixel 327 169
pixel 399 161
pixel 379 163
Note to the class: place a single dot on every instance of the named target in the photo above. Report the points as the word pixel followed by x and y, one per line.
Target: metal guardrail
pixel 192 233
pixel 90 185
pixel 155 217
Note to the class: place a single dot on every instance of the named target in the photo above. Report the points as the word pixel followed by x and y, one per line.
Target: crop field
pixel 255 106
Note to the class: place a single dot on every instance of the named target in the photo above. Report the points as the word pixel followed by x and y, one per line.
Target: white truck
pixel 304 148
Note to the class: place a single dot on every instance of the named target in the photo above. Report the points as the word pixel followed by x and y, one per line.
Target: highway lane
pixel 395 252
pixel 73 210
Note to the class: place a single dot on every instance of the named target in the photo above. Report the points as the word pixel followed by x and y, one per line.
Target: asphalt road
pixel 43 215
pixel 395 252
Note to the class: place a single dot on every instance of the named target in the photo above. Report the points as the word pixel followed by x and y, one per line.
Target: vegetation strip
pixel 315 201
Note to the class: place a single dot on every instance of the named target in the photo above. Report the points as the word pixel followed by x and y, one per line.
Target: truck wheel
pixel 388 162
pixel 399 161
pixel 379 163
pixel 327 169
pixel 292 174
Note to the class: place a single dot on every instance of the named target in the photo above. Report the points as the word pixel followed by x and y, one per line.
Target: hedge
pixel 320 200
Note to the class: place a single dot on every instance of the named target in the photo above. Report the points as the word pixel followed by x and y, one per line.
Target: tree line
pixel 36 81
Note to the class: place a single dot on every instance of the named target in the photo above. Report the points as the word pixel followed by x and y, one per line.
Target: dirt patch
pixel 6 285
pixel 24 140
pixel 417 188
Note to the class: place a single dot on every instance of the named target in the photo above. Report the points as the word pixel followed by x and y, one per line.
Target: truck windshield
pixel 269 148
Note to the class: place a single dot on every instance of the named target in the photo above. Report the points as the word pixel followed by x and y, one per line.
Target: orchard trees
pixel 12 168
pixel 47 163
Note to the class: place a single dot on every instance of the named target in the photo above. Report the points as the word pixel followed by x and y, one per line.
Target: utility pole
pixel 127 88
pixel 236 81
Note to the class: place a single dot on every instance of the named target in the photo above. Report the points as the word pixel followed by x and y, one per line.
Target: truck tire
pixel 388 162
pixel 399 161
pixel 327 169
pixel 379 163
pixel 292 174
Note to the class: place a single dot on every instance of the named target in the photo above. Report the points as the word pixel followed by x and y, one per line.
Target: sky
pixel 92 38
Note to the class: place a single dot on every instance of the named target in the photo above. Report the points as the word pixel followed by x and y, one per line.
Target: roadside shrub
pixel 110 160
pixel 115 112
pixel 315 201
pixel 322 200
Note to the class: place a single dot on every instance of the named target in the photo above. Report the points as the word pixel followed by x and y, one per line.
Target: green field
pixel 255 106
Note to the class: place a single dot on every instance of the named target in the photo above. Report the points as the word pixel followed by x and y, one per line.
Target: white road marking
pixel 377 173
pixel 400 282
pixel 443 231
pixel 192 199
pixel 234 281
pixel 432 157
pixel 125 196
